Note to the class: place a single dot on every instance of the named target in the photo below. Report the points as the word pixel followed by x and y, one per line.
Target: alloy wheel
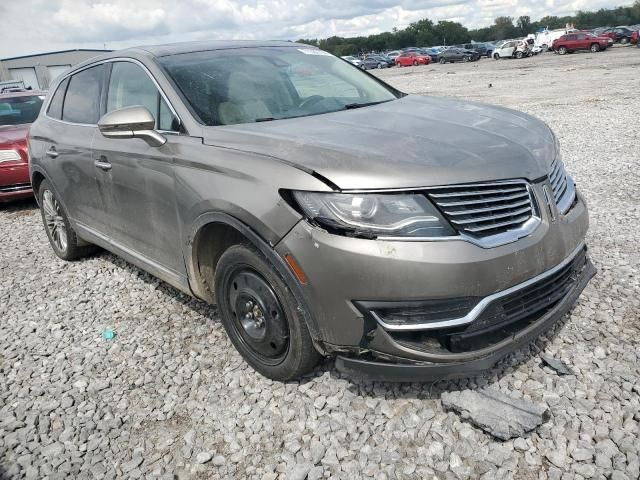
pixel 54 220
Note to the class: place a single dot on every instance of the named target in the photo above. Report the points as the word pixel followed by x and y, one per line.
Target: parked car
pixel 281 197
pixel 393 54
pixel 457 55
pixel 618 34
pixel 579 41
pixel 353 60
pixel 376 61
pixel 432 52
pixel 18 110
pixel 412 58
pixel 484 49
pixel 512 49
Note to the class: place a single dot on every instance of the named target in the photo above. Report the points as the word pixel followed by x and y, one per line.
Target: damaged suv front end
pixel 440 281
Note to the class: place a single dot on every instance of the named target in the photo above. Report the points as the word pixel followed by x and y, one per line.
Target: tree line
pixel 425 33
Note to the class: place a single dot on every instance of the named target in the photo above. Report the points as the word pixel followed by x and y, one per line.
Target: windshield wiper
pixel 351 106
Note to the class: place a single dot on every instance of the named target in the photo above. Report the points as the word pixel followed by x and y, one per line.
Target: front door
pixel 135 180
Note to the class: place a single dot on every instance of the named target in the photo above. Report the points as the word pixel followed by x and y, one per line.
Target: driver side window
pixel 130 85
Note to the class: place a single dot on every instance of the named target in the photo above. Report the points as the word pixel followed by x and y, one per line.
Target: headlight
pixel 374 214
pixel 9 156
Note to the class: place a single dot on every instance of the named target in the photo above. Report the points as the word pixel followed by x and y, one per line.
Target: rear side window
pixel 82 101
pixel 55 106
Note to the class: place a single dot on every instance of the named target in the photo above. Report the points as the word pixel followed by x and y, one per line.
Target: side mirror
pixel 131 122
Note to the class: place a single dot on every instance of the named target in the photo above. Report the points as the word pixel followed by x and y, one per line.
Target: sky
pixel 37 26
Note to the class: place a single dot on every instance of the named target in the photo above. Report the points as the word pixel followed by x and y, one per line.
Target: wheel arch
pixel 212 234
pixel 37 177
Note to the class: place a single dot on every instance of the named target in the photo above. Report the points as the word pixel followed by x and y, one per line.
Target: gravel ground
pixel 170 396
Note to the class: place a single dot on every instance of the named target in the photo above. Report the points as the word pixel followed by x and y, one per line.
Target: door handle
pixel 102 164
pixel 52 152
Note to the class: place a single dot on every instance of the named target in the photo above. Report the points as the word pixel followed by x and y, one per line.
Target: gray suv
pixel 323 211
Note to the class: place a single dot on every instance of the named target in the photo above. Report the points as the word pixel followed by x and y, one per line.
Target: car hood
pixel 414 141
pixel 13 133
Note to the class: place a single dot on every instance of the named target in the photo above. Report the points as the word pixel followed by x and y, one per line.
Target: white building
pixel 40 70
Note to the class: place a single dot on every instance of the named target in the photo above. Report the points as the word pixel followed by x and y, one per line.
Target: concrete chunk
pixel 495 413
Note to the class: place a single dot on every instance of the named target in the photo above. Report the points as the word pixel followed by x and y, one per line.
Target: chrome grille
pixel 558 179
pixel 485 209
pixel 562 185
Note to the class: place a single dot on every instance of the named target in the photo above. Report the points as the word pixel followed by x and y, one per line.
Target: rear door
pixel 582 42
pixel 64 139
pixel 136 181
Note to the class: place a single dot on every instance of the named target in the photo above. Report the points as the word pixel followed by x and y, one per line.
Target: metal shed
pixel 38 71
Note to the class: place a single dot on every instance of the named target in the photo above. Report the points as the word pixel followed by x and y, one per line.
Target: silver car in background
pixel 323 211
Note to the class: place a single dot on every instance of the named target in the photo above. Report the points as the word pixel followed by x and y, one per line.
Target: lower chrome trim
pixel 23 187
pixel 482 304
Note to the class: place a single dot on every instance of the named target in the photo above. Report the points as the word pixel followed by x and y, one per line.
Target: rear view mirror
pixel 131 122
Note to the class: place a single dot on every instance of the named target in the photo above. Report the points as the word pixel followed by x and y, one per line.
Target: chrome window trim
pixel 482 304
pixel 101 62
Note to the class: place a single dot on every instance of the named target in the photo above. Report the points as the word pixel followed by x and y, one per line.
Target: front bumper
pixel 14 182
pixel 472 363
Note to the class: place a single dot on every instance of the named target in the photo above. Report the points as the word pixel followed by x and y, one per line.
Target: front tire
pixel 562 50
pixel 595 48
pixel 496 56
pixel 261 315
pixel 415 63
pixel 442 61
pixel 62 237
pixel 519 55
pixel 624 40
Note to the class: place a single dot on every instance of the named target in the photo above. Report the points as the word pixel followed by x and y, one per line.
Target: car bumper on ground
pixel 377 276
pixel 14 182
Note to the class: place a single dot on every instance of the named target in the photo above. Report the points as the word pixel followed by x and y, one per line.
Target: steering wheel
pixel 310 100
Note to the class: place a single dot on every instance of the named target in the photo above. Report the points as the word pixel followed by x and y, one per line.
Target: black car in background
pixel 483 49
pixel 376 61
pixel 455 54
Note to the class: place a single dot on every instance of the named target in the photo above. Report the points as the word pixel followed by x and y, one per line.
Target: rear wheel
pixel 466 58
pixel 261 316
pixel 442 61
pixel 62 236
pixel 380 66
pixel 415 63
pixel 562 50
pixel 595 47
pixel 496 56
pixel 624 40
pixel 519 55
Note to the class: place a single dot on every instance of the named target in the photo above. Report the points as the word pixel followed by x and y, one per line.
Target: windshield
pixel 19 110
pixel 226 87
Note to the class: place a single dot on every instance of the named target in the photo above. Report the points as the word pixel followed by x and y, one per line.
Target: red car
pixel 17 111
pixel 579 41
pixel 412 58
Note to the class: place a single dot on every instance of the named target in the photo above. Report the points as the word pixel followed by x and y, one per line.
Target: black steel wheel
pixel 258 317
pixel 262 317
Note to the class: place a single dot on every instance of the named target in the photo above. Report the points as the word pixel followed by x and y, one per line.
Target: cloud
pixel 35 26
